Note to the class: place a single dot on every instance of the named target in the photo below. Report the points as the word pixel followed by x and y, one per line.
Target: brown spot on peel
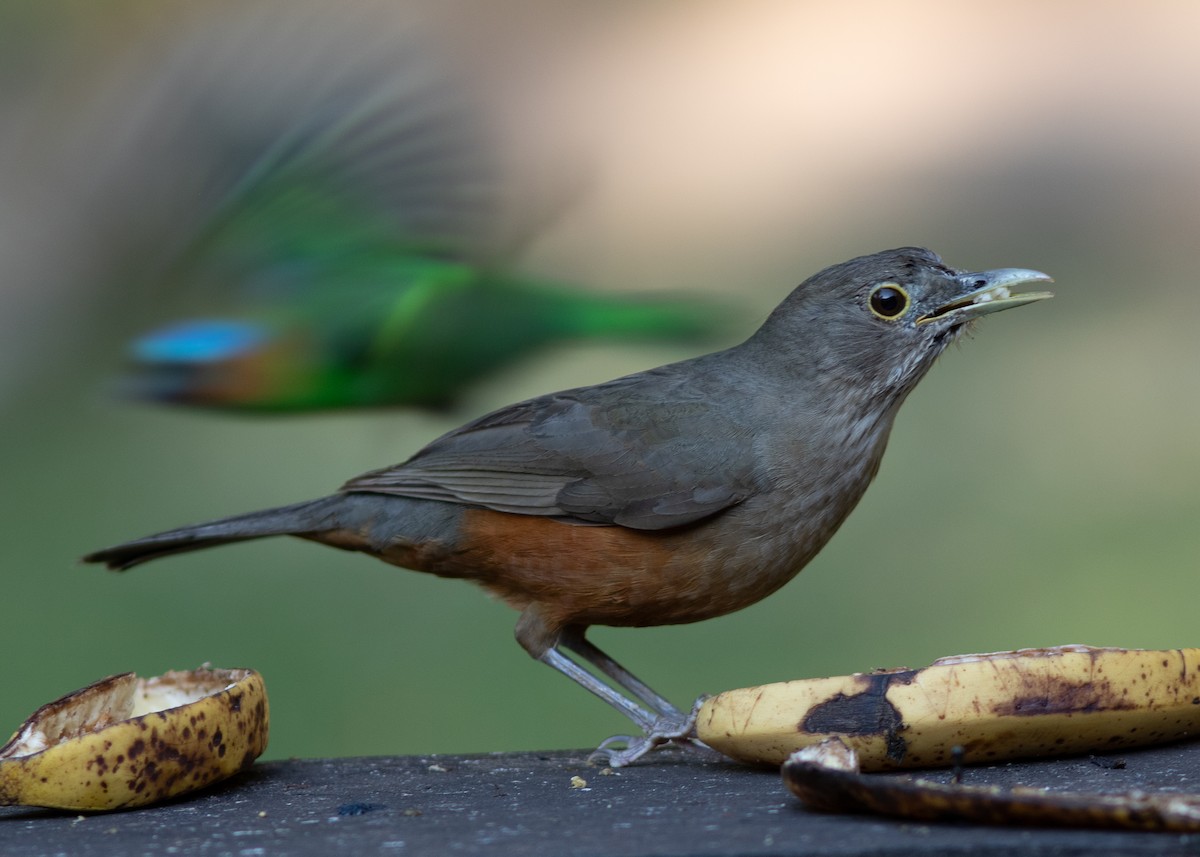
pixel 862 714
pixel 1064 696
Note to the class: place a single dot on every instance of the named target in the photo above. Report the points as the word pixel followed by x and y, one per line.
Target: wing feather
pixel 648 452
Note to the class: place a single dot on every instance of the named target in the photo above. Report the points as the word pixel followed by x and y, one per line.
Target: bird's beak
pixel 989 291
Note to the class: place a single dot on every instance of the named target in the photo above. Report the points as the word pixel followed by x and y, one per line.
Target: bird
pixel 417 332
pixel 668 496
pixel 356 222
pixel 338 306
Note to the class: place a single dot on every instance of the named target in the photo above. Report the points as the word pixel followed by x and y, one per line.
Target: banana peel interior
pixel 126 741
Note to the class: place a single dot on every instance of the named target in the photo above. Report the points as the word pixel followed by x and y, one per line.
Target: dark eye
pixel 888 301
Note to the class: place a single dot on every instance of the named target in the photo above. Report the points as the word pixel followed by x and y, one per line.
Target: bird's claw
pixel 621 750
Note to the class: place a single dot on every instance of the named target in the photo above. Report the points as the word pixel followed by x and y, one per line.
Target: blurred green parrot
pixel 358 247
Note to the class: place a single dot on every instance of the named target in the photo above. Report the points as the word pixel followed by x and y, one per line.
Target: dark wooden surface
pixel 527 804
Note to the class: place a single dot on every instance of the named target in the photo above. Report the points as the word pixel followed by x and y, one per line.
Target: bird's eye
pixel 888 301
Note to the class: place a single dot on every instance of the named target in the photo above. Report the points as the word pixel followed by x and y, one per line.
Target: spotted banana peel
pixel 826 777
pixel 126 741
pixel 998 706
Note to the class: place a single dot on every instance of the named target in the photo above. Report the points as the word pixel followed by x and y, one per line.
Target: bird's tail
pixel 645 316
pixel 299 519
pixel 569 312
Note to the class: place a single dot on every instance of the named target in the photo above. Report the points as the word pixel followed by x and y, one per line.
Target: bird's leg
pixel 657 728
pixel 576 642
pixel 660 721
pixel 554 658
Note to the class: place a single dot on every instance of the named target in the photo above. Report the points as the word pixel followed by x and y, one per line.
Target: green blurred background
pixel 1040 484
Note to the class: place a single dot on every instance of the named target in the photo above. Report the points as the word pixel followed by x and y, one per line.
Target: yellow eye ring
pixel 888 301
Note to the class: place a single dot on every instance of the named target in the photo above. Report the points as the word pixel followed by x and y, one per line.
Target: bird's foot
pixel 673 729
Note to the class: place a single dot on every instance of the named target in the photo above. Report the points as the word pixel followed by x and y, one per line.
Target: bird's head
pixel 870 328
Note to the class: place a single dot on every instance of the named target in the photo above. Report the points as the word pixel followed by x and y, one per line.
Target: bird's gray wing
pixel 647 452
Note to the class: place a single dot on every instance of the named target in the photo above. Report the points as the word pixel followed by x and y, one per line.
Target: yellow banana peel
pixel 998 706
pixel 127 741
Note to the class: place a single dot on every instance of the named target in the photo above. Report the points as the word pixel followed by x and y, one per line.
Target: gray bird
pixel 672 495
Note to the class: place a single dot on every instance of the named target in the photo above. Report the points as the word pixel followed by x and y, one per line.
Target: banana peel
pixel 983 708
pixel 125 741
pixel 826 777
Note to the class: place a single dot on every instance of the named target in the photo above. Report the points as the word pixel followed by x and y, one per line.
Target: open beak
pixel 989 291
